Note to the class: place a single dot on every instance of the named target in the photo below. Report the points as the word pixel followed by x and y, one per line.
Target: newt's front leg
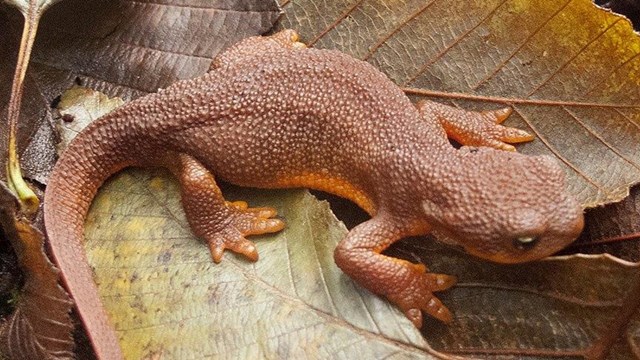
pixel 474 128
pixel 222 224
pixel 405 284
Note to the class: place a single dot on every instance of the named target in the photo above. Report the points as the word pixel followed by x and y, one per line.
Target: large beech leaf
pixel 568 68
pixel 129 48
pixel 167 297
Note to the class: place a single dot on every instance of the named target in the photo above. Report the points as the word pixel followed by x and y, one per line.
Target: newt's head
pixel 505 207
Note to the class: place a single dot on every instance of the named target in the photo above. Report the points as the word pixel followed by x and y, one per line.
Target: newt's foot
pixel 243 221
pixel 288 38
pixel 416 294
pixel 407 285
pixel 474 128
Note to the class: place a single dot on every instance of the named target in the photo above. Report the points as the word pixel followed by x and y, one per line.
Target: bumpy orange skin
pixel 272 113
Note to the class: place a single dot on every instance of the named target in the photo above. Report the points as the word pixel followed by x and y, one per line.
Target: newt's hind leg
pixel 407 285
pixel 474 128
pixel 223 225
pixel 238 53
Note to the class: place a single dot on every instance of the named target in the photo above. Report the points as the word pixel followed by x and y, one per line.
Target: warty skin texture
pixel 271 114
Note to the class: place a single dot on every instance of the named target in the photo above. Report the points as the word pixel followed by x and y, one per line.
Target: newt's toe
pixel 415 316
pixel 435 308
pixel 238 205
pixel 501 115
pixel 256 221
pixel 231 239
pixel 243 221
pixel 439 282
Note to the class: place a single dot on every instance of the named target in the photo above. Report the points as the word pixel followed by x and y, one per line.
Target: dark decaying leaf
pixel 129 48
pixel 124 48
pixel 558 307
pixel 613 229
pixel 40 326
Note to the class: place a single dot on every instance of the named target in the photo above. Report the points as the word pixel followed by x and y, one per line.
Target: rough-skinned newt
pixel 272 113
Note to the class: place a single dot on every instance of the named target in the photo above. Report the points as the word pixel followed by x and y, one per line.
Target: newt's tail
pixel 90 159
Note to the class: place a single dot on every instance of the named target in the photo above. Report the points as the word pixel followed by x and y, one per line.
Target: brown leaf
pixel 560 307
pixel 123 48
pixel 568 69
pixel 40 326
pixel 613 229
pixel 130 48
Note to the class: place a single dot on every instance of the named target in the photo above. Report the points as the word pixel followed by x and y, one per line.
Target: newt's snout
pixel 543 242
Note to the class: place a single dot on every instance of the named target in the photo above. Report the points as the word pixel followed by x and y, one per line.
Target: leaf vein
pixel 450 46
pixel 526 41
pixel 580 51
pixel 613 71
pixel 402 24
pixel 601 139
pixel 334 308
pixel 557 154
pixel 336 22
pixel 200 7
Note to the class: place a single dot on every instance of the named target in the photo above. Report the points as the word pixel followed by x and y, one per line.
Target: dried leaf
pixel 130 48
pixel 78 107
pixel 613 229
pixel 167 297
pixel 628 8
pixel 40 326
pixel 560 307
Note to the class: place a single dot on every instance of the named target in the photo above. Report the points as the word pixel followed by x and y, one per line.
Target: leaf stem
pixel 29 202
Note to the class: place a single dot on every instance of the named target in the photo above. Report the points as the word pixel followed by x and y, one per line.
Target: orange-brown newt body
pixel 272 113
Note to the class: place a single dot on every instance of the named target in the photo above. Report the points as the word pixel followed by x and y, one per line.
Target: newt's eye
pixel 525 242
